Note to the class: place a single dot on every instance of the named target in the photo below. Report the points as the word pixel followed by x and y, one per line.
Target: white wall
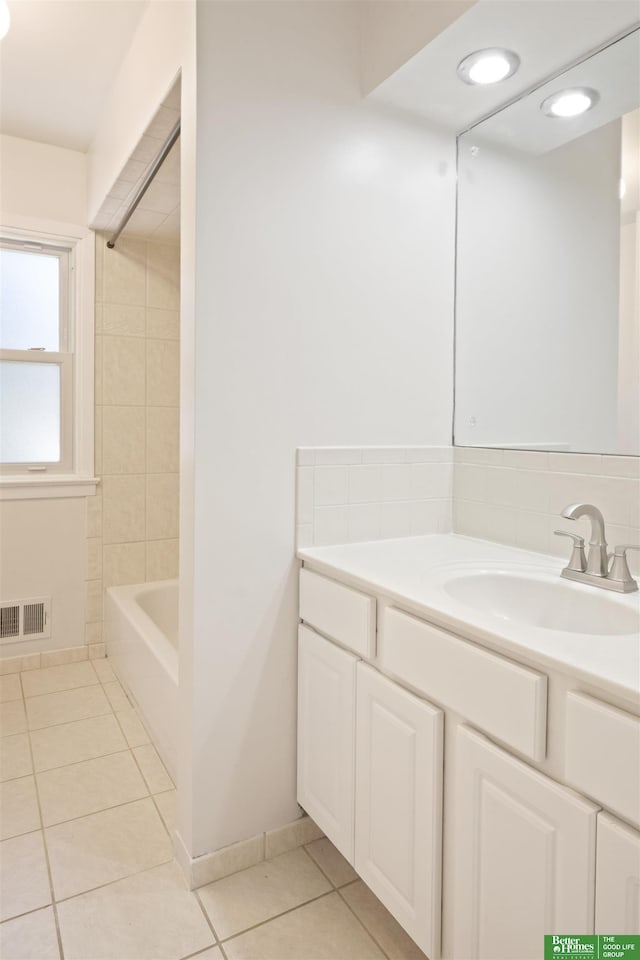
pixel 42 182
pixel 43 542
pixel 324 297
pixel 537 297
pixel 629 340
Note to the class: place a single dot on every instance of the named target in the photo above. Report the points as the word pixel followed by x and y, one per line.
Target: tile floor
pixel 86 868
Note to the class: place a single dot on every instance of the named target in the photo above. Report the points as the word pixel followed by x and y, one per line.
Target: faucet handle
pixel 619 566
pixel 578 560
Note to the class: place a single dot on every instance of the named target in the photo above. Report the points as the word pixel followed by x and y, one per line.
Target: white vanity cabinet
pixel 326 736
pixel 398 818
pixel 524 855
pixel 617 878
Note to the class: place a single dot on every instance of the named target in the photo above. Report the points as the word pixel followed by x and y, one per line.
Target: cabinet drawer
pixel 491 692
pixel 341 613
pixel 603 754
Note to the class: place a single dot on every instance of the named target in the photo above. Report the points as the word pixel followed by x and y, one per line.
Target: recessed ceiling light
pixel 570 103
pixel 488 66
pixel 5 18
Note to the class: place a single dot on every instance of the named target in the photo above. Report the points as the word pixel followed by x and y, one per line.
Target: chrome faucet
pixel 594 567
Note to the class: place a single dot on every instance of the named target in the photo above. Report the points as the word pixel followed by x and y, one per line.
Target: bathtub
pixel 141 631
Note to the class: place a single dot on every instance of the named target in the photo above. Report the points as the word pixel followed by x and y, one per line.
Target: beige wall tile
pixel 163 324
pixel 97 441
pixel 123 563
pixel 123 509
pixel 74 742
pixel 56 658
pixel 24 880
pixel 290 836
pixel 163 373
pixel 123 445
pixel 79 789
pixel 125 273
pixel 94 515
pixel 163 439
pixel 122 320
pixel 19 811
pixel 98 316
pixel 93 605
pixel 163 280
pixel 94 558
pixel 106 846
pixel 33 935
pixel 15 664
pixel 123 371
pixel 162 560
pixel 97 652
pixel 162 506
pixel 93 634
pixel 97 367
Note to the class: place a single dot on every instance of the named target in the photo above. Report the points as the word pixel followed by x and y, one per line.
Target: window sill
pixel 54 486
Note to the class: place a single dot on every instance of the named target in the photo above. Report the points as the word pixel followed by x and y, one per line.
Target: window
pixel 36 358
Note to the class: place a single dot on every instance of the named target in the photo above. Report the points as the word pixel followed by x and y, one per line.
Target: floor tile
pixel 331 862
pixel 106 846
pixel 323 929
pixel 77 741
pixel 83 788
pixel 52 708
pixel 24 881
pixel 10 688
pixel 213 953
pixel 117 696
pixel 15 756
pixel 167 805
pixel 104 670
pixel 151 916
pixel 158 780
pixel 132 727
pixel 382 926
pixel 12 718
pixel 32 937
pixel 238 902
pixel 67 676
pixel 18 807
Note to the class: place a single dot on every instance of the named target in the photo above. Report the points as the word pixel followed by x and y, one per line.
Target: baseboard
pixel 52 658
pixel 246 853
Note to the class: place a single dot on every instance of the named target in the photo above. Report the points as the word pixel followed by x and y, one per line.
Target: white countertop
pixel 410 572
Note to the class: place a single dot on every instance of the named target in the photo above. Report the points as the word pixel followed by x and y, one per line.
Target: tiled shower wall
pixel 132 523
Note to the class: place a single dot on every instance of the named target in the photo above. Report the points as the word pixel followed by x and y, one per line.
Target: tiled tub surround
pixel 86 813
pixel 347 494
pixel 516 497
pixel 132 523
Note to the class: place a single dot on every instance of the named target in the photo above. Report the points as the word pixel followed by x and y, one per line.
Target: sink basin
pixel 543 601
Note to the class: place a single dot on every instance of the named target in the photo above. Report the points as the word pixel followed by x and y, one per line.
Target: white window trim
pixel 80 481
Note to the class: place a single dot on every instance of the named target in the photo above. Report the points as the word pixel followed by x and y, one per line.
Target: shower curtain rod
pixel 142 189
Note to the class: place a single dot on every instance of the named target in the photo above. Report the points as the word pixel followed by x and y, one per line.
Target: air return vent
pixel 25 619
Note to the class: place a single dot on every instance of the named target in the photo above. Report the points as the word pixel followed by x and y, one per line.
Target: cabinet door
pixel 524 855
pixel 399 804
pixel 326 736
pixel 617 878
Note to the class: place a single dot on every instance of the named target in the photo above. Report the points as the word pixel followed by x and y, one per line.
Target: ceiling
pixel 546 36
pixel 57 64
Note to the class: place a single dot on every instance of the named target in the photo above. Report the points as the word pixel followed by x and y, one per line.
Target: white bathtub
pixel 141 626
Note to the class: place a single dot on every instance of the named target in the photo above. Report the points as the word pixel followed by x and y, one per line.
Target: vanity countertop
pixel 411 571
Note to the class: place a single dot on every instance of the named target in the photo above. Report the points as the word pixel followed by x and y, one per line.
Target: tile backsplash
pixel 515 497
pixel 347 494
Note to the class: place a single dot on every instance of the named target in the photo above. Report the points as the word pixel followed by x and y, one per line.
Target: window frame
pixel 73 475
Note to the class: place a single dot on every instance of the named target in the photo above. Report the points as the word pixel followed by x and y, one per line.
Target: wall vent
pixel 25 619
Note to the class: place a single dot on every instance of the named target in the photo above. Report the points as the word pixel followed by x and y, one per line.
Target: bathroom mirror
pixel 548 267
